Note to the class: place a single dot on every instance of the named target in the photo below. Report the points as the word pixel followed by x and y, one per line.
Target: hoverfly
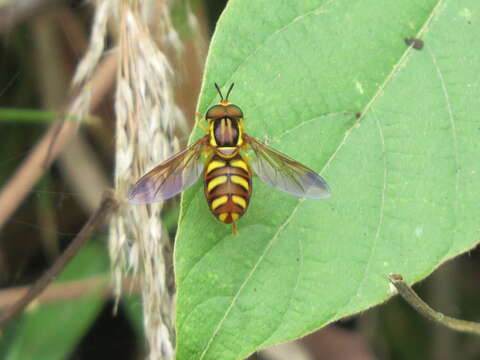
pixel 227 170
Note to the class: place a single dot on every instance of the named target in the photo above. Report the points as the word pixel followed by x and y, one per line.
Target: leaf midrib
pixel 249 276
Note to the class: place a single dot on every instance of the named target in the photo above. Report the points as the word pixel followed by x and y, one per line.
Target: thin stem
pixel 421 307
pixel 70 290
pixel 96 219
pixel 33 116
pixel 14 12
pixel 52 143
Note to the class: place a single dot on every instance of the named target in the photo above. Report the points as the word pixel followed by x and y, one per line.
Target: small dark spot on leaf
pixel 417 44
pixel 298 259
pixel 358 114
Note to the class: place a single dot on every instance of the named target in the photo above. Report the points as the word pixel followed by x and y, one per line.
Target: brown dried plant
pixel 146 115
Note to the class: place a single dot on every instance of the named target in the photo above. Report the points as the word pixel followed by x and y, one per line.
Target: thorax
pixel 226 136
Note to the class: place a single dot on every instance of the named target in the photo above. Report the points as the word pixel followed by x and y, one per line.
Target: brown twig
pixel 20 184
pixel 421 307
pixel 19 11
pixel 66 291
pixel 96 219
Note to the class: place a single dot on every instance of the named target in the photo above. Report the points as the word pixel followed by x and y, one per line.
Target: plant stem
pixel 14 12
pixel 96 219
pixel 52 143
pixel 27 115
pixel 69 290
pixel 421 307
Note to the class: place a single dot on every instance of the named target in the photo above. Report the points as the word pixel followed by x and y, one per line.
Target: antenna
pixel 229 89
pixel 219 91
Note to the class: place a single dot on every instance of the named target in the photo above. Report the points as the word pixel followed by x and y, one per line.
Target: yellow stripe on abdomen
pixel 240 201
pixel 223 217
pixel 215 164
pixel 219 201
pixel 240 181
pixel 219 180
pixel 238 163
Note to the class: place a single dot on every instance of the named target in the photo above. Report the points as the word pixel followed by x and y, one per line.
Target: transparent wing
pixel 286 174
pixel 169 178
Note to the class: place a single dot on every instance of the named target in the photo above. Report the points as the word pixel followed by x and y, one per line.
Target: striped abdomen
pixel 228 187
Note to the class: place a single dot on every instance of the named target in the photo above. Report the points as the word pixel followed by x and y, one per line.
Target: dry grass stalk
pixel 146 115
pixel 93 87
pixel 80 105
pixel 66 291
pixel 199 33
pixel 96 44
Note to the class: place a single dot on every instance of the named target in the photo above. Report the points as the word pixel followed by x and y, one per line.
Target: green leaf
pixel 52 330
pixel 404 172
pixel 27 115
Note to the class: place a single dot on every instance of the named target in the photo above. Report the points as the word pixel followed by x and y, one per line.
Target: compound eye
pixel 234 111
pixel 216 112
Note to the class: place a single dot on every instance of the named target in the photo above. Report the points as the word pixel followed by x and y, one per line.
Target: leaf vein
pixel 454 136
pixel 249 276
pixel 387 80
pixel 380 218
pixel 260 46
pixel 303 123
pixel 295 287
